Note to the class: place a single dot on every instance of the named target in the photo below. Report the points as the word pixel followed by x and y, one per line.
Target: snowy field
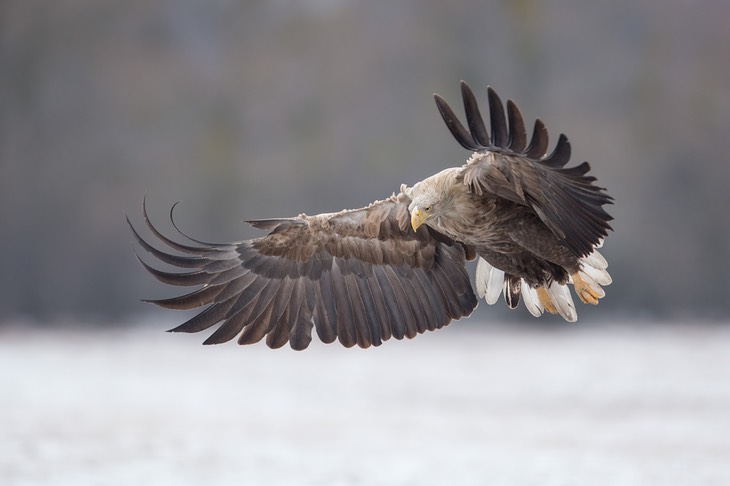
pixel 474 404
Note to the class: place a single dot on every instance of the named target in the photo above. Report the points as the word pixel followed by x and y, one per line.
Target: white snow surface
pixel 473 404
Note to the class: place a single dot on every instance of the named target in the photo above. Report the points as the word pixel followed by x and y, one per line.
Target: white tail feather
pixel 529 297
pixel 489 281
pixel 563 301
pixel 482 276
pixel 595 260
pixel 494 285
pixel 601 277
pixel 510 293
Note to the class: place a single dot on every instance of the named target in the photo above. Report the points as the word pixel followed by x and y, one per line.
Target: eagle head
pixel 427 201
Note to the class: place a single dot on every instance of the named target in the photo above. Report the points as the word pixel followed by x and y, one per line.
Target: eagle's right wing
pixel 504 165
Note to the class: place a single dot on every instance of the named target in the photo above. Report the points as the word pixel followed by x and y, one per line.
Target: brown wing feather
pixel 360 276
pixel 565 199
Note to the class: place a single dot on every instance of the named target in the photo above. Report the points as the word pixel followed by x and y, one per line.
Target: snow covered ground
pixel 474 404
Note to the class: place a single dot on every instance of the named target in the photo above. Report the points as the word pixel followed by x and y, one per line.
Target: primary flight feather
pixel 396 268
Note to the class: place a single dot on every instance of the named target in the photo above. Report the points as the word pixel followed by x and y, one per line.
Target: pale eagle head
pixel 432 198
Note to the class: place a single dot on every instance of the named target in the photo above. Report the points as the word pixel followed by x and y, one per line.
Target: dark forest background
pixel 271 108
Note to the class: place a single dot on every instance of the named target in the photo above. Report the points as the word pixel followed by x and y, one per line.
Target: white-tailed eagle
pixel 396 268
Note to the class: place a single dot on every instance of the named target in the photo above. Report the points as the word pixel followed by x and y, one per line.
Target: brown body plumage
pixel 397 267
pixel 508 235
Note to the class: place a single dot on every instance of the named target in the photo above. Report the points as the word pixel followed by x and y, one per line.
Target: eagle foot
pixel 585 293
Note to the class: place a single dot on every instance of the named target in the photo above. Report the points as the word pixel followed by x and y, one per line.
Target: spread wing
pixel 360 276
pixel 504 165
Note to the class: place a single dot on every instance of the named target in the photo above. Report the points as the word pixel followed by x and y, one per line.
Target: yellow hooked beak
pixel 418 217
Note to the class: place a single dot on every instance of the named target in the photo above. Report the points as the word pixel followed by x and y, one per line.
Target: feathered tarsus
pixel 397 267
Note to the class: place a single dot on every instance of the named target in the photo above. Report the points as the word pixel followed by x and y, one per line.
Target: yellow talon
pixel 545 301
pixel 584 291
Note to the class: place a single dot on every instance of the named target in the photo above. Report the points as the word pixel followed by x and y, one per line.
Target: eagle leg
pixel 584 290
pixel 545 301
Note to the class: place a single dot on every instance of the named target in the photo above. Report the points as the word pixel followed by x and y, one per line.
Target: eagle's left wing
pixel 358 276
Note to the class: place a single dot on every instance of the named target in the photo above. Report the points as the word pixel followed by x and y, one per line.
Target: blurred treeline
pixel 246 109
